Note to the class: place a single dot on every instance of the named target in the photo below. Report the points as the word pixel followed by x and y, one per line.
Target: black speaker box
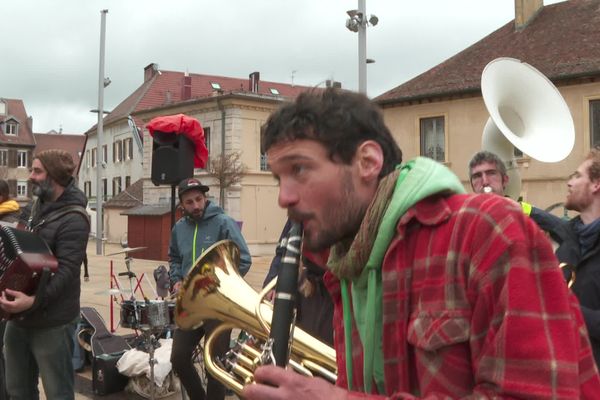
pixel 172 158
pixel 106 378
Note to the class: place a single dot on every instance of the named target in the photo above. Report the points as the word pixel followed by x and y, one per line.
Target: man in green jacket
pixel 202 225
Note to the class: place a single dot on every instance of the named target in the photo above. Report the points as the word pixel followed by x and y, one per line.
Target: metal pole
pixel 173 208
pixel 362 48
pixel 99 155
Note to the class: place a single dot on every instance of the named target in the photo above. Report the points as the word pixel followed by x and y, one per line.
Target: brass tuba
pixel 213 289
pixel 527 112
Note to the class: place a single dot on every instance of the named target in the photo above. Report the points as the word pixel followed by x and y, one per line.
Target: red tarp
pixel 181 124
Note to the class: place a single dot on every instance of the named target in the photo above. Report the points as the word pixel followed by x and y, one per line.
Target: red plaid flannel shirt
pixel 474 306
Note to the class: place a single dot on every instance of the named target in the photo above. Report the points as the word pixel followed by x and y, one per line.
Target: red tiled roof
pixel 166 88
pixel 15 109
pixel 74 144
pixel 131 197
pixel 562 41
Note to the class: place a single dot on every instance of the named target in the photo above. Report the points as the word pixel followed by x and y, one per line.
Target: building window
pixel 207 144
pixel 118 151
pixel 127 181
pixel 274 91
pixel 87 188
pixel 105 154
pixel 128 149
pixel 3 157
pixel 595 122
pixel 22 188
pixel 433 139
pixel 21 159
pixel 263 162
pixel 215 86
pixel 93 157
pixel 87 158
pixel 11 128
pixel 116 185
pixel 104 189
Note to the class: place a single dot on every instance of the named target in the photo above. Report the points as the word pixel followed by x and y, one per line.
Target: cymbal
pixel 127 250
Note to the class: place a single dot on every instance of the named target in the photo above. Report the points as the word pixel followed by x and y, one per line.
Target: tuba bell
pixel 527 112
pixel 213 289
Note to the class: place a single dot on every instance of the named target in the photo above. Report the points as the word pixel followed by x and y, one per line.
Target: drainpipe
pixel 221 188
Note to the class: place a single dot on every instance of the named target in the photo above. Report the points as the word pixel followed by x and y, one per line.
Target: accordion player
pixel 26 262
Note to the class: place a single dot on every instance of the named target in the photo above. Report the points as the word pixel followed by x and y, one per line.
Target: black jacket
pixel 587 267
pixel 67 237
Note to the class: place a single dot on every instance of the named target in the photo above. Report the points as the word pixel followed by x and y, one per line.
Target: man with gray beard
pixel 39 337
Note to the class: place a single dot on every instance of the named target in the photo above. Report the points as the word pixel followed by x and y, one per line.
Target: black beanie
pixel 59 165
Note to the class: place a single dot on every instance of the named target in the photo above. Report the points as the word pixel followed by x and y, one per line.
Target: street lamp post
pixel 358 23
pixel 102 83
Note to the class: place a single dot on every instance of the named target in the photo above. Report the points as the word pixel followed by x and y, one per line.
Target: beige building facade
pixel 441 113
pixel 254 200
pixel 543 184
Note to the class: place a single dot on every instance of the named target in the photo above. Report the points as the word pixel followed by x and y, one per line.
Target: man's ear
pixel 505 180
pixel 596 186
pixel 369 159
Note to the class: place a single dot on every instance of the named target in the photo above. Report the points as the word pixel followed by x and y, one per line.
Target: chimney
pixel 525 11
pixel 334 84
pixel 253 84
pixel 149 71
pixel 186 90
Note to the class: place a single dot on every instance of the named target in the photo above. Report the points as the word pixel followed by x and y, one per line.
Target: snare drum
pixel 150 314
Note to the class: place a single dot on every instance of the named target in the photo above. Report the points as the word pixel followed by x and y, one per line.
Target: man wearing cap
pixel 39 337
pixel 202 225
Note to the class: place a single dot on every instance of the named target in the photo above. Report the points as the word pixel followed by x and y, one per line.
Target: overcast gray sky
pixel 51 48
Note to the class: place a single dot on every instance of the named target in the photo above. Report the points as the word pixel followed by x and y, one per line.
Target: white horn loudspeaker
pixel 527 112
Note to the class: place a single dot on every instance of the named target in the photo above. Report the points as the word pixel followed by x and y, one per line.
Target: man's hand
pixel 274 383
pixel 20 302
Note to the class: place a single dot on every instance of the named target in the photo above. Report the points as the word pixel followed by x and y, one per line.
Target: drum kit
pixel 154 318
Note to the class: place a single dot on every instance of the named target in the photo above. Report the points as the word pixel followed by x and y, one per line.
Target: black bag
pixel 106 351
pixel 106 378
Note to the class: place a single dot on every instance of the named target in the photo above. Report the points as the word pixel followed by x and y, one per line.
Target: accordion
pixel 24 256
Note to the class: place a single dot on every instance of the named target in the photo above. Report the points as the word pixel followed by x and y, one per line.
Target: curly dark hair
pixel 338 119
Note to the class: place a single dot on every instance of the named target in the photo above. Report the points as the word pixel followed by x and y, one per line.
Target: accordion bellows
pixel 23 257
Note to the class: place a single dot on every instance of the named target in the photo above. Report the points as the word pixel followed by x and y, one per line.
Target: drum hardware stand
pixel 130 275
pixel 150 344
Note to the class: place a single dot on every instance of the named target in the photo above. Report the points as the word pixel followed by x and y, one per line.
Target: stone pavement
pixel 95 293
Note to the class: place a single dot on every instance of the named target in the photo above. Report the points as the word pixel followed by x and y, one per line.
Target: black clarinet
pixel 286 293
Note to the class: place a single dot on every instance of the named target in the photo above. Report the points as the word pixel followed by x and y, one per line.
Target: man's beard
pixel 195 217
pixel 344 218
pixel 43 190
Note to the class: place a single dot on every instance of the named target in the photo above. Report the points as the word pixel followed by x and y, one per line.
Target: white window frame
pixel 117 185
pixel 21 188
pixel 11 128
pixel 21 158
pixel 105 154
pixel 3 157
pixel 437 134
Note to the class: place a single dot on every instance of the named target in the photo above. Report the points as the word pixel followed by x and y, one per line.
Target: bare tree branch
pixel 227 171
